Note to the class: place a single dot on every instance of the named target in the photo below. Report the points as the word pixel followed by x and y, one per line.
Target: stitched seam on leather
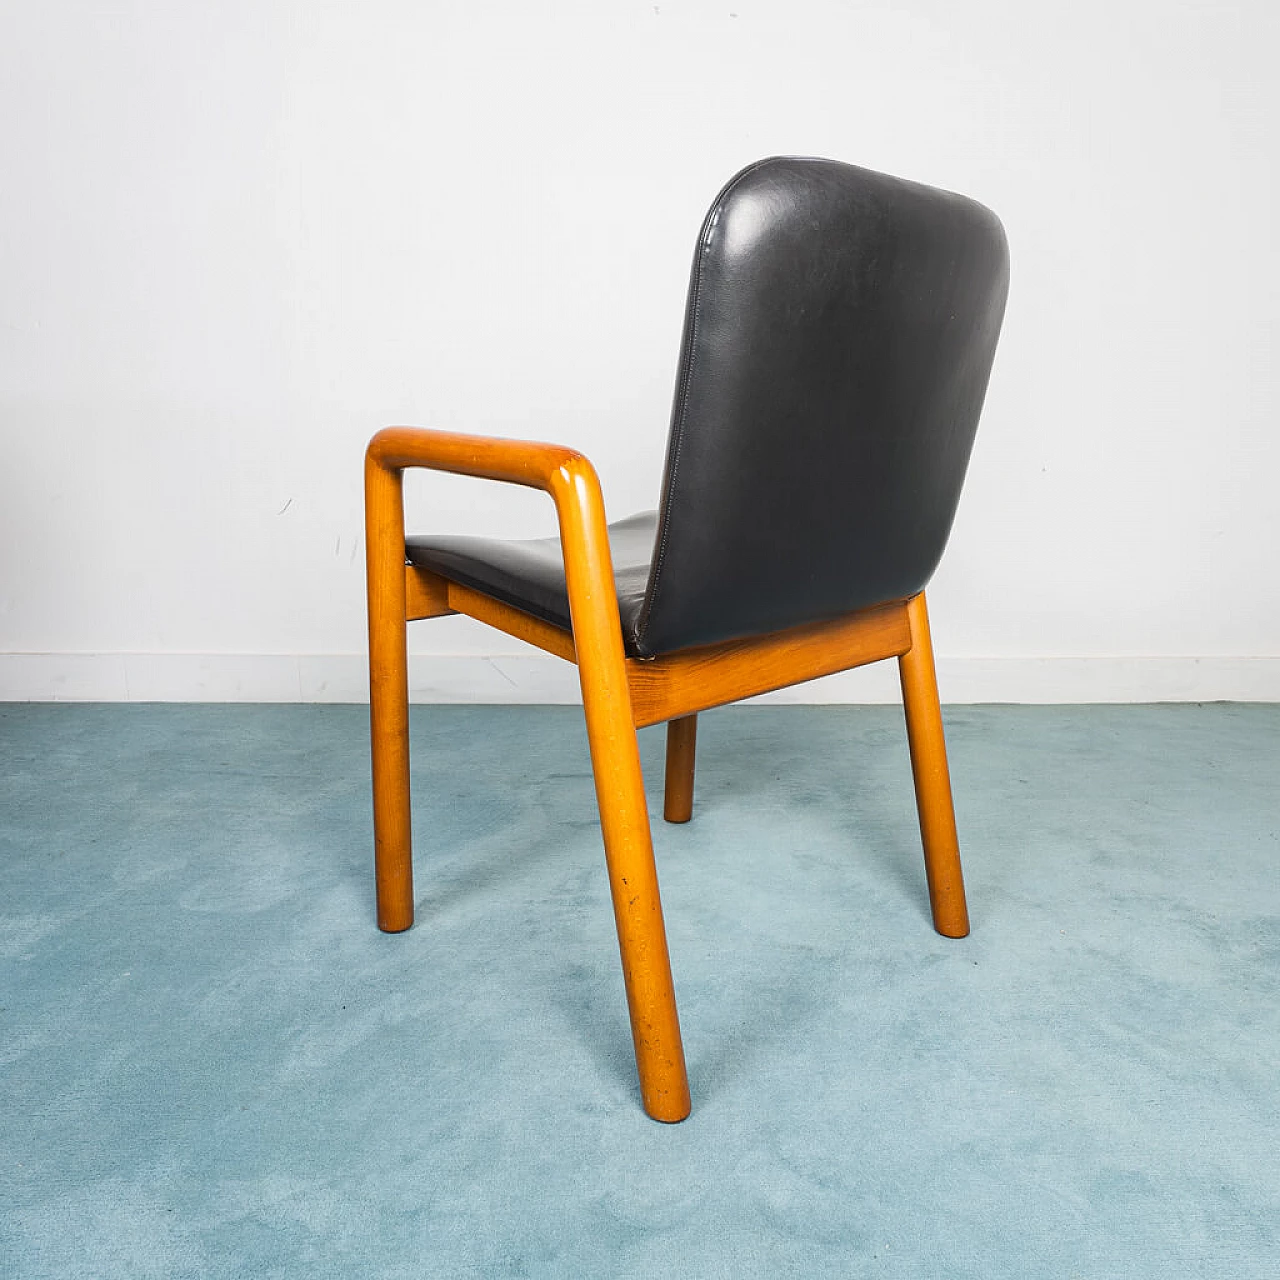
pixel 713 216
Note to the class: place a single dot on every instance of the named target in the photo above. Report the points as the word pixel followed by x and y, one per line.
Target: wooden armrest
pixel 563 473
pixel 538 466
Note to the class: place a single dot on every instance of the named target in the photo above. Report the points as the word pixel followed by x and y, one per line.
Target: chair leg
pixel 388 697
pixel 633 878
pixel 682 741
pixel 932 778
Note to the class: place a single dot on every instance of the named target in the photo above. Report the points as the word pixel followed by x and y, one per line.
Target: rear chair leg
pixel 682 741
pixel 932 778
pixel 388 696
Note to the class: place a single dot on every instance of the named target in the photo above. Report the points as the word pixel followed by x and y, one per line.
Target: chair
pixel 838 339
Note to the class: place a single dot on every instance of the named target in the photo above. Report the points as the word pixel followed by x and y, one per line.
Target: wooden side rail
pixel 430 596
pixel 693 680
pixel 682 684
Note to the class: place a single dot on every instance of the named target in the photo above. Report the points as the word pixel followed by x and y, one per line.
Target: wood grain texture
pixel 596 644
pixel 389 453
pixel 426 594
pixel 932 777
pixel 619 694
pixel 388 695
pixel 682 750
pixel 693 680
pixel 515 622
pixel 523 462
pixel 624 812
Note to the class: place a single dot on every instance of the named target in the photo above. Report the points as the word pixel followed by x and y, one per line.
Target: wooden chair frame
pixel 620 695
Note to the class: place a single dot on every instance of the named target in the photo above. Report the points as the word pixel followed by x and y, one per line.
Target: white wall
pixel 236 239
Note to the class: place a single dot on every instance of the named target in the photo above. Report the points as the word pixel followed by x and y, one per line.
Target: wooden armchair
pixel 839 335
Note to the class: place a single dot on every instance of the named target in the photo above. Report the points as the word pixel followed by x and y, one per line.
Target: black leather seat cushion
pixel 530 574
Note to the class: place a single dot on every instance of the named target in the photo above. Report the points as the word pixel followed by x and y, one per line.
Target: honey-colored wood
pixel 618 695
pixel 426 594
pixel 515 622
pixel 388 454
pixel 388 694
pixel 682 749
pixel 680 684
pixel 597 645
pixel 624 813
pixel 512 461
pixel 932 777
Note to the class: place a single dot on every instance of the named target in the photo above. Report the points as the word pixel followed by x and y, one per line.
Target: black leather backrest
pixel 838 339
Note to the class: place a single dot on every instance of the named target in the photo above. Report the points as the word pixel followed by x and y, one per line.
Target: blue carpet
pixel 212 1064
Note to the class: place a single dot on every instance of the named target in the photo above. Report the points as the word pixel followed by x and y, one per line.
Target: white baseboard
pixel 536 678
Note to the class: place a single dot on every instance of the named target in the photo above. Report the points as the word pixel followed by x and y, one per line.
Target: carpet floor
pixel 212 1064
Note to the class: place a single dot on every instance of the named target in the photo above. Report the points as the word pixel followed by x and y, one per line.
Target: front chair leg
pixel 633 886
pixel 932 778
pixel 388 695
pixel 624 810
pixel 682 742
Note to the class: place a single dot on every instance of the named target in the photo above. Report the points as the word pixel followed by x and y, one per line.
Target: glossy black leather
pixel 529 573
pixel 839 336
